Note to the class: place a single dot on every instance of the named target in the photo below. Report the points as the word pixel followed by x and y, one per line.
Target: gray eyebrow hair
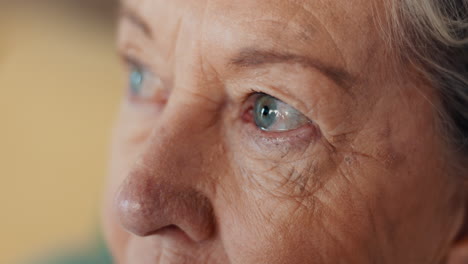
pixel 135 19
pixel 251 57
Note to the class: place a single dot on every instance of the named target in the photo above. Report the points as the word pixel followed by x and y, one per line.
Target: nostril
pixel 165 230
pixel 168 229
pixel 171 231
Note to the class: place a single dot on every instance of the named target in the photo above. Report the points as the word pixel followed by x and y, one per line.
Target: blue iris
pixel 136 80
pixel 265 111
pixel 273 115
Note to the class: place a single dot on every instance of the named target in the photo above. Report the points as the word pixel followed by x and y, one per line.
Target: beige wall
pixel 59 87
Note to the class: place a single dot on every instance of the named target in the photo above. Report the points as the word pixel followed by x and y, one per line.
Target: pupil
pixel 265 111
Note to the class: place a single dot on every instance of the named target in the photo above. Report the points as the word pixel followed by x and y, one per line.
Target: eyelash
pixel 130 63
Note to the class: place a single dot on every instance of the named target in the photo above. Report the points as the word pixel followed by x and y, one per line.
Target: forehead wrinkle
pixel 304 29
pixel 295 19
pixel 325 30
pixel 304 26
pixel 279 16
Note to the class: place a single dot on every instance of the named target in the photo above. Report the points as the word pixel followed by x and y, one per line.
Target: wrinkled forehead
pixel 340 30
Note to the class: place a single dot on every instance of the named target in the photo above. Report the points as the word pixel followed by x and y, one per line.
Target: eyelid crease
pixel 129 60
pixel 251 57
pixel 132 62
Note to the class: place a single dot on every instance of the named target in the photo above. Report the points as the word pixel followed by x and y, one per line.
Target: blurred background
pixel 60 83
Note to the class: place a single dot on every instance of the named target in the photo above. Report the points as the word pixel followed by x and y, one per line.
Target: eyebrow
pixel 135 19
pixel 250 57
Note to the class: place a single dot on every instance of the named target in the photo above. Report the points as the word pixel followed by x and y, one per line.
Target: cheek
pixel 277 227
pixel 280 166
pixel 297 205
pixel 286 205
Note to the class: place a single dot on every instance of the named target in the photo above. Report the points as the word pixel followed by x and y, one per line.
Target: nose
pixel 147 207
pixel 162 190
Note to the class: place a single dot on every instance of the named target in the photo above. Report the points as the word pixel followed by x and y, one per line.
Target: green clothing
pixel 97 254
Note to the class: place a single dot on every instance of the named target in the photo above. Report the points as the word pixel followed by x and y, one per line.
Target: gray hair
pixel 433 36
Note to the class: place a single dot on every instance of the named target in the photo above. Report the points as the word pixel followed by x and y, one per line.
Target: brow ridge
pixel 135 19
pixel 251 57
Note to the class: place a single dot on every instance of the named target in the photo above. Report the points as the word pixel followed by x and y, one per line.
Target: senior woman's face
pixel 273 131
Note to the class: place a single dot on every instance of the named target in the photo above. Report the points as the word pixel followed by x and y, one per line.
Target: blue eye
pixel 136 80
pixel 143 84
pixel 273 115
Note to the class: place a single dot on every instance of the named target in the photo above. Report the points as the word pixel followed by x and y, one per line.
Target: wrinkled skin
pixel 193 181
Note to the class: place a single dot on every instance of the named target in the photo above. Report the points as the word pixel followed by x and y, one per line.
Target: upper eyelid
pixel 129 59
pixel 129 47
pixel 252 97
pixel 277 94
pixel 280 101
pixel 131 55
pixel 132 62
pixel 244 92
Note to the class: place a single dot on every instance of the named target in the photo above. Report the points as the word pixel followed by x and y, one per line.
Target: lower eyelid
pixel 249 105
pixel 308 132
pixel 153 90
pixel 272 145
